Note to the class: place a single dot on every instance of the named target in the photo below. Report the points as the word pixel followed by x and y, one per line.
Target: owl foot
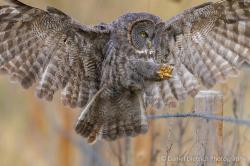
pixel 165 72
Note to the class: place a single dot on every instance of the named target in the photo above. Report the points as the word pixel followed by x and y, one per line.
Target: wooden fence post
pixel 209 149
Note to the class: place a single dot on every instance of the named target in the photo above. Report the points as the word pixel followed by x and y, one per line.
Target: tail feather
pixel 125 116
pixel 112 119
pixel 91 119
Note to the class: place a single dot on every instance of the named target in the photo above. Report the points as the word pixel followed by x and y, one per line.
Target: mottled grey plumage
pixel 112 70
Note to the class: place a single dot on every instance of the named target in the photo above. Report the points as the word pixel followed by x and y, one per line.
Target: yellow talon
pixel 165 71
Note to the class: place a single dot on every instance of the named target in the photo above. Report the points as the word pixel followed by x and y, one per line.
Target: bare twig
pixel 116 150
pixel 128 152
pixel 168 153
pixel 154 150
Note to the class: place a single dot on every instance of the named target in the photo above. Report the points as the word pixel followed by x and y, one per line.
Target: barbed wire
pixel 228 119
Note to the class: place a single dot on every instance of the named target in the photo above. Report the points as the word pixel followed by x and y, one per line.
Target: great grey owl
pixel 114 71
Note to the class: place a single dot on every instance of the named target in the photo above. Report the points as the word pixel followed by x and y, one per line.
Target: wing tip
pixel 15 2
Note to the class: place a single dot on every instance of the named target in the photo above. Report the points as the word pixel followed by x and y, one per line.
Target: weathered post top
pixel 209 143
pixel 208 93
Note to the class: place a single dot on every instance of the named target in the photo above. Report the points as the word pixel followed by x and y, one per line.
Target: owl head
pixel 141 31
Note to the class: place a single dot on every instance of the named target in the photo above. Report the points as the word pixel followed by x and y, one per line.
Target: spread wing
pixel 53 49
pixel 206 43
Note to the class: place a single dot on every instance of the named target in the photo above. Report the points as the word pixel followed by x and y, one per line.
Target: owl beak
pixel 149 44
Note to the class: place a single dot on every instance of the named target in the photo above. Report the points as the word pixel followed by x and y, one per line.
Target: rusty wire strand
pixel 228 119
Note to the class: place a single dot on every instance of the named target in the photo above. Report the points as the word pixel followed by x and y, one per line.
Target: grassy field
pixel 38 133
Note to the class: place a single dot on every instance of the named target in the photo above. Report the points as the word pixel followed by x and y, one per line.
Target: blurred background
pixel 35 132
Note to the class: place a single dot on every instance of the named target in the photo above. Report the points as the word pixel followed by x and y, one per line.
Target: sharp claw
pixel 166 71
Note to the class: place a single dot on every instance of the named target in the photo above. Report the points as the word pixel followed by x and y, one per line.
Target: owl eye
pixel 144 34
